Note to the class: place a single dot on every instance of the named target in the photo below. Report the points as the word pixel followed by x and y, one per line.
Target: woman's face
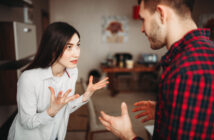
pixel 71 52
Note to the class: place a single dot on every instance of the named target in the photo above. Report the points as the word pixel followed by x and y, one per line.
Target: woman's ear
pixel 163 13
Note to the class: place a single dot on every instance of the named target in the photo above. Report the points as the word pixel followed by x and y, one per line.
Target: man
pixel 185 103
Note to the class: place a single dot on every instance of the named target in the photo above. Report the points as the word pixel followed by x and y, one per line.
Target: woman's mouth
pixel 74 61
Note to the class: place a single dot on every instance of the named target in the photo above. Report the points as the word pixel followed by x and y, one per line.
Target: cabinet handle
pixel 26 30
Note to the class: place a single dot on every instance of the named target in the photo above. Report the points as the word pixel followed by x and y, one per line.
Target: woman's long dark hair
pixel 52 44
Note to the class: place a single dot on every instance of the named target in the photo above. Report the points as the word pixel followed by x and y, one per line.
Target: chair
pixel 94 125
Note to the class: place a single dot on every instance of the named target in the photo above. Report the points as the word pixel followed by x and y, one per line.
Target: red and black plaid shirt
pixel 185 103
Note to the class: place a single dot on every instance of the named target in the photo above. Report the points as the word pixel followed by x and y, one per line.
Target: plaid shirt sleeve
pixel 188 105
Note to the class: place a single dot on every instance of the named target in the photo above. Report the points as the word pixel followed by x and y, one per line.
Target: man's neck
pixel 178 30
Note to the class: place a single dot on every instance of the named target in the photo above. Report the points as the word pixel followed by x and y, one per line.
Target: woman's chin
pixel 71 66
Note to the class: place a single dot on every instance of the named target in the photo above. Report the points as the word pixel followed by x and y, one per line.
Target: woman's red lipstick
pixel 74 61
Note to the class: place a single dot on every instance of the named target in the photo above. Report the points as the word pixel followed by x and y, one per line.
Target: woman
pixel 45 94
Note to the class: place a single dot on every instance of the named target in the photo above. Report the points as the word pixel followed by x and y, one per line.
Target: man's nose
pixel 142 29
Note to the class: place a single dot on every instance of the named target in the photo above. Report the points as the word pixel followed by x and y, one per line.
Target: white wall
pixel 86 17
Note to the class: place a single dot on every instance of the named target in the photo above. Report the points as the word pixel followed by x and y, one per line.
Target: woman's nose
pixel 76 52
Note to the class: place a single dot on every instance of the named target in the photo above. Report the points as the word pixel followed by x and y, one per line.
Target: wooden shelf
pixel 16 3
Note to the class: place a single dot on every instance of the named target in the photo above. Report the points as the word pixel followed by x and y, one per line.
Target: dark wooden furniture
pixel 112 73
pixel 16 3
pixel 17 46
pixel 8 78
pixel 7 115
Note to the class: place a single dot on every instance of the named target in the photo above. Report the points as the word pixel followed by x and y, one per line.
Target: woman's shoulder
pixel 30 72
pixel 32 75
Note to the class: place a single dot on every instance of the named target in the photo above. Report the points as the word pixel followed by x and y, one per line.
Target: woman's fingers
pixel 103 81
pixel 99 86
pixel 91 79
pixel 52 93
pixel 71 98
pixel 59 95
pixel 67 92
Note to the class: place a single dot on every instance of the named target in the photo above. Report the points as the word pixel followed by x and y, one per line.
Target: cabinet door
pixel 25 40
pixel 8 78
pixel 17 41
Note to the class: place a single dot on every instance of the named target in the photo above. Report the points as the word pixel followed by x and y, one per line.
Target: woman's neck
pixel 57 69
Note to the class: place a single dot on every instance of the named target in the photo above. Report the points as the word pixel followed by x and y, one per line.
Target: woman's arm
pixel 27 104
pixel 93 87
pixel 74 105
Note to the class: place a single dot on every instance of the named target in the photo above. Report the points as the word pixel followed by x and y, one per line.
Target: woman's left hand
pixel 93 87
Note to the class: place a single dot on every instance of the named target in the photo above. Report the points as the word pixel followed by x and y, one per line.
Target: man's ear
pixel 163 13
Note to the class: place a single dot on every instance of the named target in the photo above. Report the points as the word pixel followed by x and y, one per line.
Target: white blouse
pixel 33 98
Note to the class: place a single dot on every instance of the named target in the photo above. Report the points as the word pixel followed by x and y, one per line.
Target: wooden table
pixel 111 71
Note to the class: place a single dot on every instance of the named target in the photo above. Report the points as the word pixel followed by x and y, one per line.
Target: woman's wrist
pixel 50 112
pixel 86 96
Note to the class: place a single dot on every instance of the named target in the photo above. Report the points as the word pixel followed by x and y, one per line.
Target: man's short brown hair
pixel 182 7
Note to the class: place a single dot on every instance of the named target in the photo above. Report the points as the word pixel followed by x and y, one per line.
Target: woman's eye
pixel 69 46
pixel 78 45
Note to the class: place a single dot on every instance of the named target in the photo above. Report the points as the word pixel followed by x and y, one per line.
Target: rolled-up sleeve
pixel 27 104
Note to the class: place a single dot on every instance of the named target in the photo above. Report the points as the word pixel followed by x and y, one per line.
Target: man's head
pixel 182 7
pixel 159 17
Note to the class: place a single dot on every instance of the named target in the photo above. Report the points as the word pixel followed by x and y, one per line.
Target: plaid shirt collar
pixel 179 46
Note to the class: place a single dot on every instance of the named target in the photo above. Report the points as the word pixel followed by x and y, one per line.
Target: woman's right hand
pixel 56 103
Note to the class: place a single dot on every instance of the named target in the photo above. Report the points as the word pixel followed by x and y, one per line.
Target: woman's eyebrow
pixel 69 44
pixel 72 43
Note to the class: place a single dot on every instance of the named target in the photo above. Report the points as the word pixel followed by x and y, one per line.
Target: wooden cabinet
pixel 17 3
pixel 17 42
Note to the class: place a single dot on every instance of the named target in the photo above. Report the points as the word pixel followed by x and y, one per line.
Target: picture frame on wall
pixel 115 29
pixel 28 15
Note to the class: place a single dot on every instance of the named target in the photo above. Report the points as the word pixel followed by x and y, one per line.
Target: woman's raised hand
pixel 56 103
pixel 93 87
